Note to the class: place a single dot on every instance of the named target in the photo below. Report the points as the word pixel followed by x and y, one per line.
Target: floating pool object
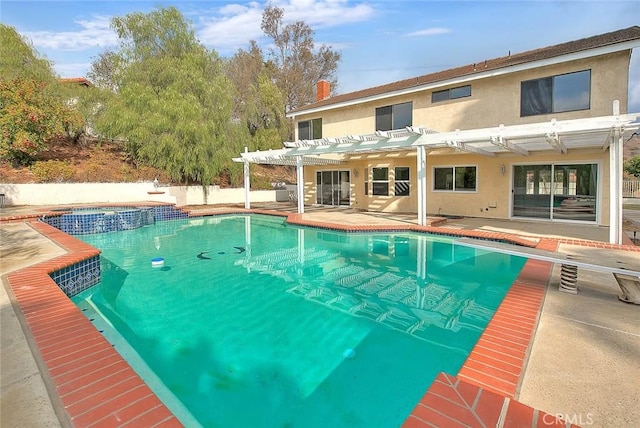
pixel 349 353
pixel 157 262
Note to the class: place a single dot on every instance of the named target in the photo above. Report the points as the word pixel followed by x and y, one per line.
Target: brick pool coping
pixel 94 386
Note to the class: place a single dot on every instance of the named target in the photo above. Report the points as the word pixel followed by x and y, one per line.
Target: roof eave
pixel 575 56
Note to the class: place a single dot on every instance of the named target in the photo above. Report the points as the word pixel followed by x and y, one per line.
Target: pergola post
pixel 300 184
pixel 615 182
pixel 615 189
pixel 247 184
pixel 421 160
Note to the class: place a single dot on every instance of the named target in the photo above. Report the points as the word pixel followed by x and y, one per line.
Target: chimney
pixel 323 90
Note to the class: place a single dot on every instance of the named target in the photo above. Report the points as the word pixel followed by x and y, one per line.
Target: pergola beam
pixel 553 139
pixel 469 148
pixel 500 141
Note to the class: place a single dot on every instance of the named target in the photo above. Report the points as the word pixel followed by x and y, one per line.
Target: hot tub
pixel 83 221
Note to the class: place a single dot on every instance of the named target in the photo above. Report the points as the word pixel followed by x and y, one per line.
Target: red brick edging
pixel 95 386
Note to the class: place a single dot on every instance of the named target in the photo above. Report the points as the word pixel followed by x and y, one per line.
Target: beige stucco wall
pixel 493 101
pixel 492 199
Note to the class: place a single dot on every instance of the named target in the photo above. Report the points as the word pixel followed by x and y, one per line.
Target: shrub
pixel 259 182
pixel 97 172
pixel 127 173
pixel 32 115
pixel 52 171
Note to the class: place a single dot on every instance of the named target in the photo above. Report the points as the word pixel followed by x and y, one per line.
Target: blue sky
pixel 380 41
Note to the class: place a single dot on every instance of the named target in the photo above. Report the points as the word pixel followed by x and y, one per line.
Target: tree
pixel 173 102
pixel 33 108
pixel 30 118
pixel 103 71
pixel 258 103
pixel 297 68
pixel 632 166
pixel 18 58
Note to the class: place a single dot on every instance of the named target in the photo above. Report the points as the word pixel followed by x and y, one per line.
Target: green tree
pixel 30 118
pixel 34 110
pixel 173 102
pixel 632 166
pixel 258 103
pixel 18 58
pixel 103 71
pixel 297 65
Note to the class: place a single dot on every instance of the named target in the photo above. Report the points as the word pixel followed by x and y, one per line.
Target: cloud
pixel 434 31
pixel 93 33
pixel 234 24
pixel 326 13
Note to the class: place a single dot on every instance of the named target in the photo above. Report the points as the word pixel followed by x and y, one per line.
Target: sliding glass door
pixel 562 191
pixel 333 188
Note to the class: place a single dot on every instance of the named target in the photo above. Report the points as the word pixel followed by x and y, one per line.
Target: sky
pixel 380 41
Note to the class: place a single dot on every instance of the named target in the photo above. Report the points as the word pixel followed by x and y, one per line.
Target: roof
pixel 78 80
pixel 631 34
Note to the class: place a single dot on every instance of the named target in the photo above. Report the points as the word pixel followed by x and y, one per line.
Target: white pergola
pixel 605 132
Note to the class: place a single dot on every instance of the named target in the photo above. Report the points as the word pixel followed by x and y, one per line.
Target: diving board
pixel 569 262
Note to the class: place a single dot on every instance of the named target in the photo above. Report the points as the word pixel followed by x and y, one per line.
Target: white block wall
pixel 87 193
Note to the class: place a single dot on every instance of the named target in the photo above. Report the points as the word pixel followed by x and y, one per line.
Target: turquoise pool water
pixel 253 323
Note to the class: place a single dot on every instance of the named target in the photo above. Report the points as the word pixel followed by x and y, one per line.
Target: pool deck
pixel 544 353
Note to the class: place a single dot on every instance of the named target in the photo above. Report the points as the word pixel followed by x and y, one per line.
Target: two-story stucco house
pixel 533 135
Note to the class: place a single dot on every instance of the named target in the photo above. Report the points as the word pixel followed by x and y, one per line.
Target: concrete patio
pixel 584 362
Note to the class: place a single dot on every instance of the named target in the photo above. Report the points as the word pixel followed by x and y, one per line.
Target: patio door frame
pixel 332 193
pixel 552 194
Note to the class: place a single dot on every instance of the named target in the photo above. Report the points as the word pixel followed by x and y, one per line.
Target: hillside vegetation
pixel 108 163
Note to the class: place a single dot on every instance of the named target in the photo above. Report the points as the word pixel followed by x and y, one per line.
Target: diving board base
pixel 630 286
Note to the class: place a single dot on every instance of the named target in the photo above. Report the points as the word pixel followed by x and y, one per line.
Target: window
pixel 397 116
pixel 556 94
pixel 451 94
pixel 401 181
pixel 310 129
pixel 458 179
pixel 556 191
pixel 380 185
pixel 366 181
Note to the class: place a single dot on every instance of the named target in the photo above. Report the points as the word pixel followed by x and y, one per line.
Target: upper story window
pixel 310 129
pixel 451 94
pixel 556 94
pixel 455 179
pixel 397 116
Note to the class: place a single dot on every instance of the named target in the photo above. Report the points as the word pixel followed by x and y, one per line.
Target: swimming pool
pixel 251 322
